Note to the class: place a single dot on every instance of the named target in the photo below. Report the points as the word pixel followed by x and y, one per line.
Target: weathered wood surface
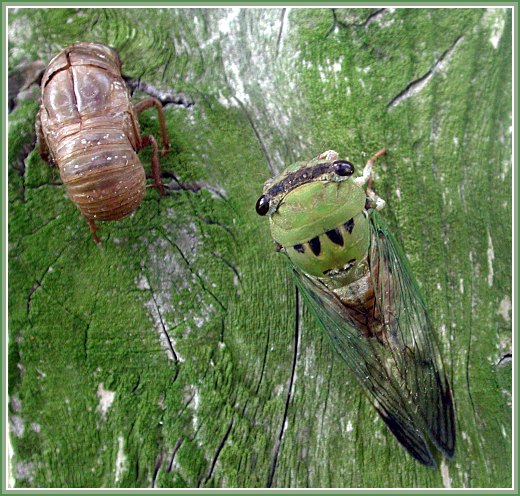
pixel 175 353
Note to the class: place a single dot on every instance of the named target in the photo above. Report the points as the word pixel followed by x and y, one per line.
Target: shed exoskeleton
pixel 88 127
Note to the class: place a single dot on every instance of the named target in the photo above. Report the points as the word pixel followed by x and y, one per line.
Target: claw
pixel 160 187
pixel 165 149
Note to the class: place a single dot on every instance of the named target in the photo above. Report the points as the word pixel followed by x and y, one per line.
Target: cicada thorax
pixel 92 132
pixel 325 230
pixel 335 255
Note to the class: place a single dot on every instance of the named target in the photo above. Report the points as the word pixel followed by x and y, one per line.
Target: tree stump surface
pixel 176 353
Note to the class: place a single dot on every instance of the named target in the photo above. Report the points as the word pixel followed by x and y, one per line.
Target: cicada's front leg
pixel 373 200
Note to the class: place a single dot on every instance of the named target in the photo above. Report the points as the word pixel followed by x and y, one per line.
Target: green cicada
pixel 357 281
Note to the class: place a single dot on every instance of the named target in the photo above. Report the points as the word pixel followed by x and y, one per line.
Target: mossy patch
pixel 220 377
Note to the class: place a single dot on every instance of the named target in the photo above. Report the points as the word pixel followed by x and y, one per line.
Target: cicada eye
pixel 262 205
pixel 343 168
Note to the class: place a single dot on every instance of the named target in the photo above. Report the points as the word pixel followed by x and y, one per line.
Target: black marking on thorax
pixel 349 225
pixel 299 248
pixel 335 236
pixel 315 245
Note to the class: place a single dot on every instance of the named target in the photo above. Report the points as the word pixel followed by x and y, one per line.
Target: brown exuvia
pixel 88 127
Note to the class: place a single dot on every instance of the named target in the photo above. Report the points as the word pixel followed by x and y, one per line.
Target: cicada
pixel 358 283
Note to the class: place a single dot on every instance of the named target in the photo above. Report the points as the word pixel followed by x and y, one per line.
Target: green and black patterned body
pixel 357 281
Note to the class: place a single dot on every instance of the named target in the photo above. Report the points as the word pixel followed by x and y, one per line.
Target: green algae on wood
pixel 177 354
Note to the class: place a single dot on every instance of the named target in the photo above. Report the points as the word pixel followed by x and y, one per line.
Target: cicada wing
pixel 368 361
pixel 410 337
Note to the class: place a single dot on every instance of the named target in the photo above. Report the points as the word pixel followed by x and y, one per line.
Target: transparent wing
pixel 410 338
pixel 401 373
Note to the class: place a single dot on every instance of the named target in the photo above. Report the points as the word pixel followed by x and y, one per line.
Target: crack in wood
pixel 257 134
pixel 156 469
pixel 197 430
pixel 44 225
pixel 85 340
pixel 191 269
pixel 418 84
pixel 185 406
pixel 134 389
pixel 280 32
pixel 335 22
pixel 213 222
pixel 222 329
pixel 217 453
pixel 358 433
pixel 39 282
pixel 136 465
pixel 264 360
pixel 373 16
pixel 37 285
pixel 290 390
pixel 228 264
pixel 506 359
pixel 178 444
pixel 167 64
pixel 42 186
pixel 161 321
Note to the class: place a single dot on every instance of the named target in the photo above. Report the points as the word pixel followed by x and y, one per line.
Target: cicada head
pixel 317 214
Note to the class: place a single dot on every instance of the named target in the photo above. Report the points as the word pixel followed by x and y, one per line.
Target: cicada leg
pixel 156 168
pixel 148 103
pixel 93 229
pixel 329 156
pixel 44 150
pixel 150 140
pixel 374 201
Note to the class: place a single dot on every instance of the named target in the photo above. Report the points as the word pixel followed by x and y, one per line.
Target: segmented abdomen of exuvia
pixel 105 182
pixel 91 130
